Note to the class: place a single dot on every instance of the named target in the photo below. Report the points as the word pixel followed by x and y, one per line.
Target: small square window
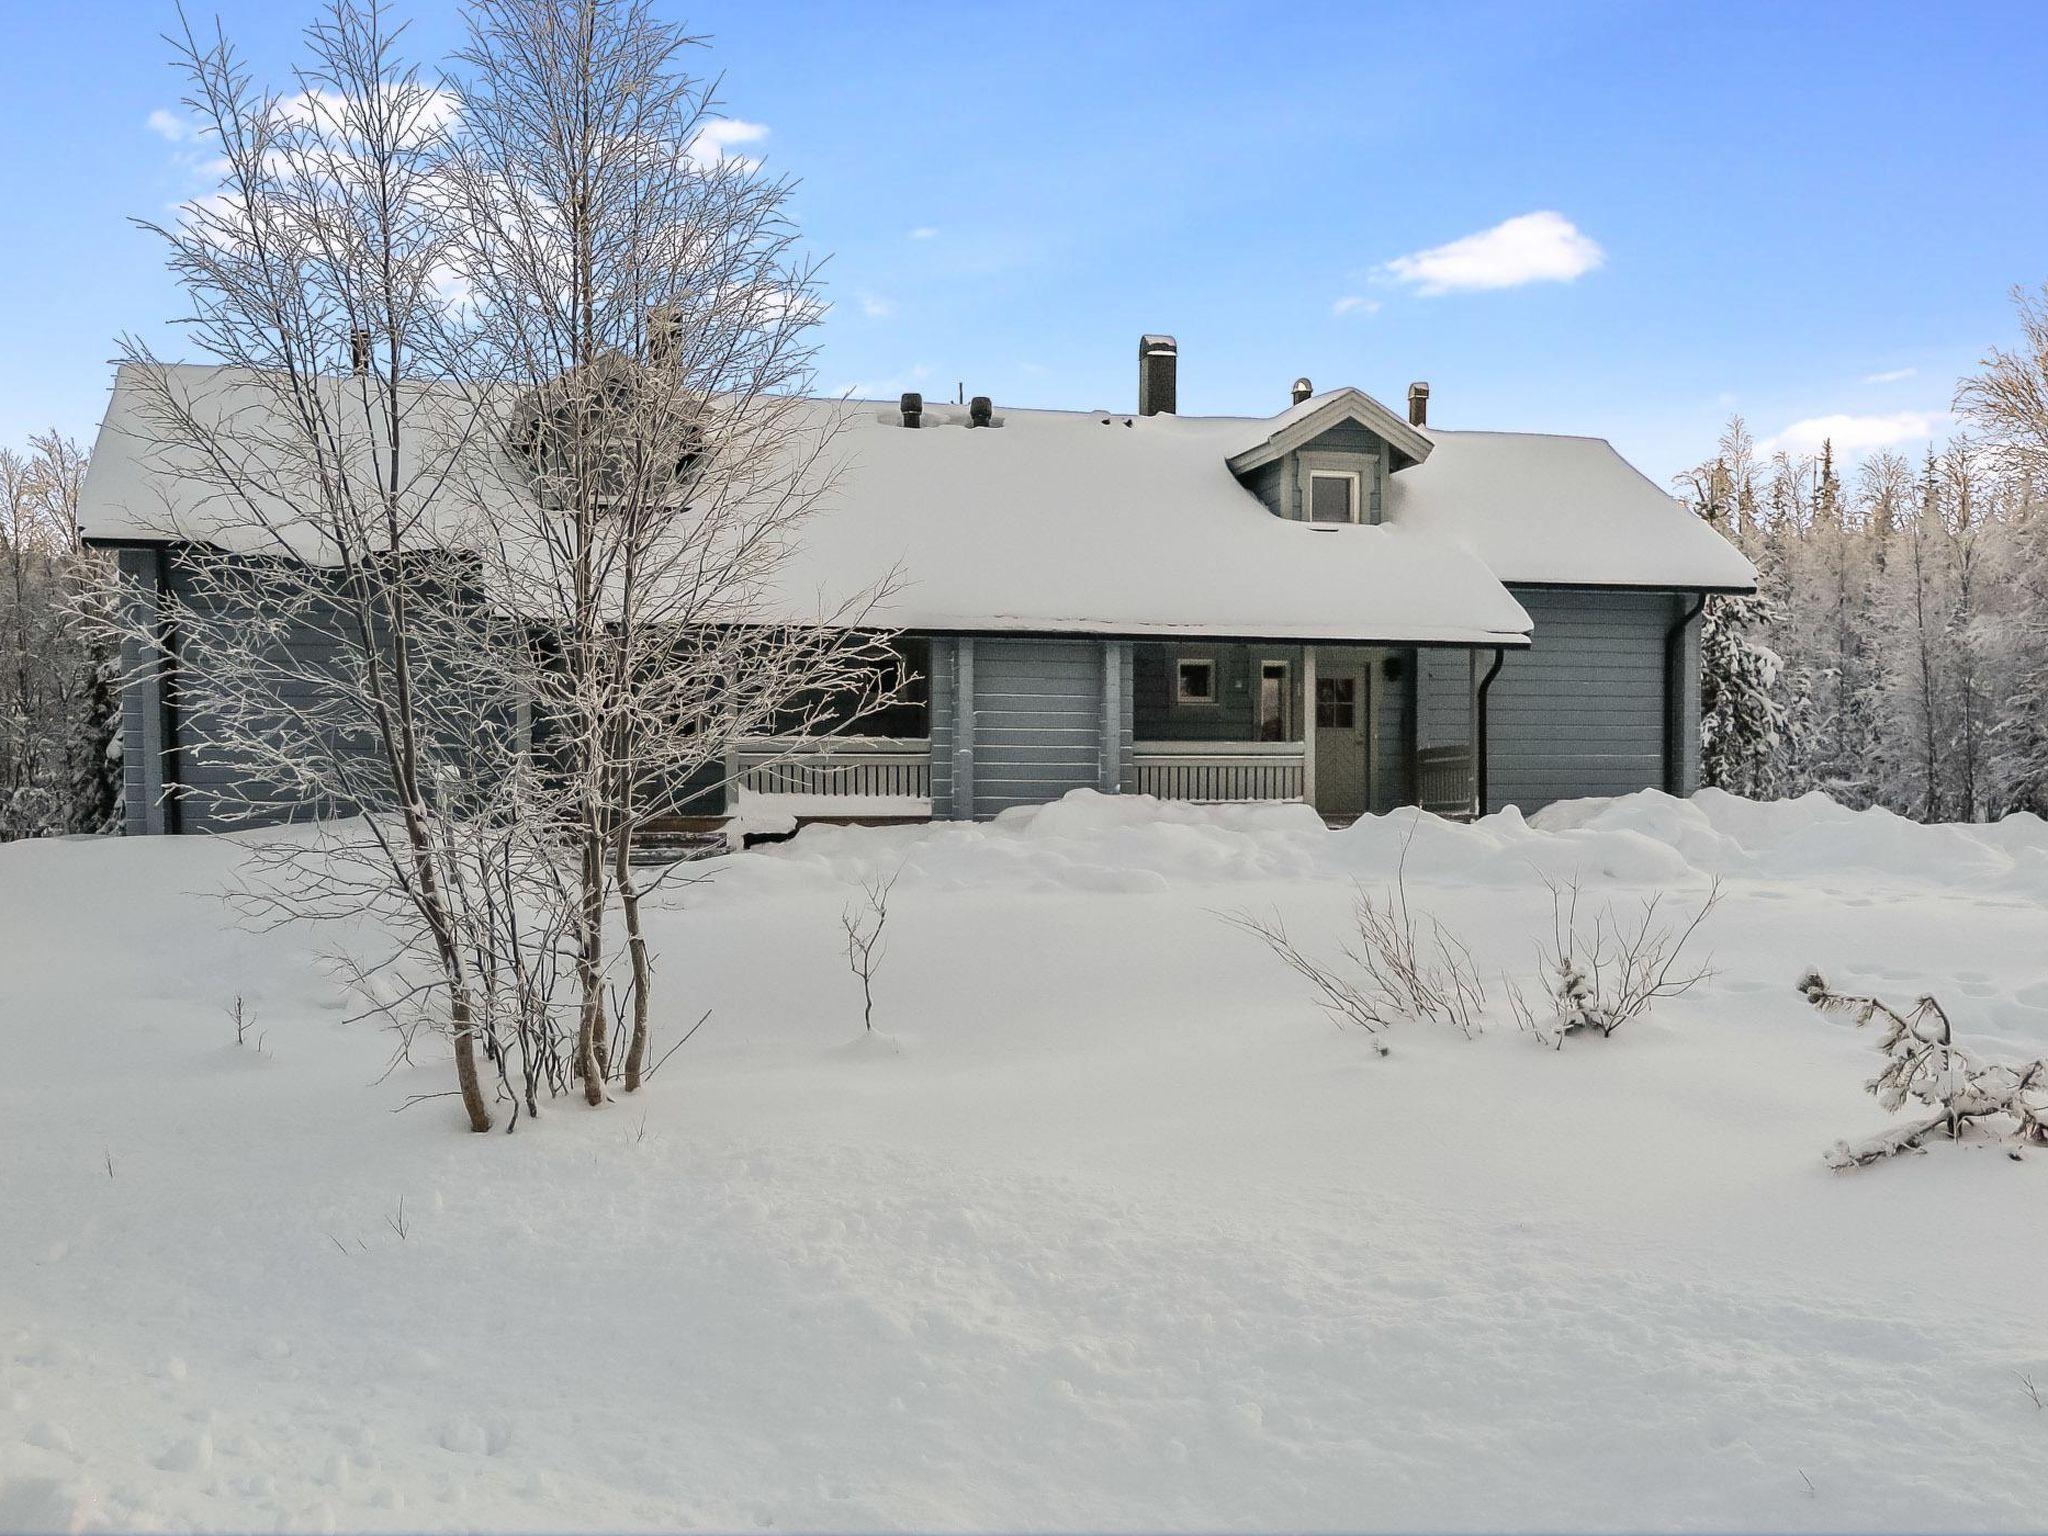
pixel 1332 498
pixel 1197 682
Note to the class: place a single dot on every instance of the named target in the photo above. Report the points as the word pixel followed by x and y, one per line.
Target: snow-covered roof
pixel 1540 509
pixel 1081 521
pixel 1087 522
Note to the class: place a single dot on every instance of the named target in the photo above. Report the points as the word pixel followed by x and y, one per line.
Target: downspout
pixel 1500 656
pixel 1674 689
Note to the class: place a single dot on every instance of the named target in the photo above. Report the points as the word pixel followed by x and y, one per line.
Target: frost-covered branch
pixel 1924 1065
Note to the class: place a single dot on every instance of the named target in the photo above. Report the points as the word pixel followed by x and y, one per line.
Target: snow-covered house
pixel 1338 604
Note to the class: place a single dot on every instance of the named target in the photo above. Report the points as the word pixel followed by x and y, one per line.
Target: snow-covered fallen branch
pixel 1924 1064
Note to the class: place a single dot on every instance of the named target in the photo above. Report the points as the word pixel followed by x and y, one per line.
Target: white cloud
pixel 170 125
pixel 1541 247
pixel 1890 376
pixel 923 232
pixel 716 139
pixel 876 307
pixel 1355 302
pixel 431 109
pixel 1854 435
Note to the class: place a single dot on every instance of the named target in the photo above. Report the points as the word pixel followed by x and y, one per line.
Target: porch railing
pixel 1447 785
pixel 845 766
pixel 1220 770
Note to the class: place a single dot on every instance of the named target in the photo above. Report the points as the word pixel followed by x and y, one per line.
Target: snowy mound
pixel 1094 842
pixel 1104 1227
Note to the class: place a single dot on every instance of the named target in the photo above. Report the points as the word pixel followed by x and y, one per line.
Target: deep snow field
pixel 1112 1229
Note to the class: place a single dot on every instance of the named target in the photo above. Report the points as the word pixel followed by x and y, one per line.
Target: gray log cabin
pixel 1338 604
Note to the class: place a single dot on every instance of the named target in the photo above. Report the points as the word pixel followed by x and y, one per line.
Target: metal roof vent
pixel 913 408
pixel 1301 391
pixel 980 411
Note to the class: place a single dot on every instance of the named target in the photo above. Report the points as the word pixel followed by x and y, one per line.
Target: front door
pixel 1343 734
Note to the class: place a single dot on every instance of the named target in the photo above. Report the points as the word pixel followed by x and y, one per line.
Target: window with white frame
pixel 1333 496
pixel 1275 702
pixel 1195 681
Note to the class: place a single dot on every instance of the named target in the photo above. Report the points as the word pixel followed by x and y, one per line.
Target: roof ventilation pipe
pixel 980 411
pixel 913 408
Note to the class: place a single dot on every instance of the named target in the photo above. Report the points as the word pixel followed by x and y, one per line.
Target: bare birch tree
pixel 329 642
pixel 639 322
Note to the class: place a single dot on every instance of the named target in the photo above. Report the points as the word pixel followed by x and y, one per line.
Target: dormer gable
pixel 1319 414
pixel 1327 459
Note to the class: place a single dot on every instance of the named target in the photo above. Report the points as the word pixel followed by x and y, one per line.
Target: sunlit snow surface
pixel 1111 1229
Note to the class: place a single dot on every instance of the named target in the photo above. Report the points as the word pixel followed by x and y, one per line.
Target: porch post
pixel 963 730
pixel 1111 779
pixel 1308 724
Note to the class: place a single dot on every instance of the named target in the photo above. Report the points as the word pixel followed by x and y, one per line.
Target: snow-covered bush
pixel 1924 1064
pixel 1600 972
pixel 1406 967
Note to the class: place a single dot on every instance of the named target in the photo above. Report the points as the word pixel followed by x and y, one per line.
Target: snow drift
pixel 1114 1232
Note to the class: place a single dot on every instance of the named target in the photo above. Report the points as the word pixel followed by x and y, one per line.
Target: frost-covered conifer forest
pixel 487 1152
pixel 1896 653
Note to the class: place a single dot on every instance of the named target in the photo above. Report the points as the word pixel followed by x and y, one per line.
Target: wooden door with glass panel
pixel 1343 714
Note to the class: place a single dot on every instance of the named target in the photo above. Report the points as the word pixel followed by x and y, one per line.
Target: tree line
pixel 60 756
pixel 1896 651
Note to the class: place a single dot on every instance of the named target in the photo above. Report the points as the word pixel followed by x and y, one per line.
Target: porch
pixel 1347 729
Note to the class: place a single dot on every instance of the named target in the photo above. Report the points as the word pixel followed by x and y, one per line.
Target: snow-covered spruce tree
pixel 343 658
pixel 637 337
pixel 1742 719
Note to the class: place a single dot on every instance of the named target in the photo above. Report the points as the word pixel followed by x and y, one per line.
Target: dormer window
pixel 1333 496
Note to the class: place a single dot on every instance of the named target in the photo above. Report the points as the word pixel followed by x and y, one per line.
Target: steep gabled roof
pixel 1316 415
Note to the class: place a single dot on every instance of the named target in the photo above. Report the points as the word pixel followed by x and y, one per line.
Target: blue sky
pixel 1797 211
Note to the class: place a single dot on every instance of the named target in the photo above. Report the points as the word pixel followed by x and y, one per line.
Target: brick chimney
pixel 1301 391
pixel 1418 404
pixel 1158 359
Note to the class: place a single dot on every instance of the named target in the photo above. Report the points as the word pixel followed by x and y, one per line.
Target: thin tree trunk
pixel 636 948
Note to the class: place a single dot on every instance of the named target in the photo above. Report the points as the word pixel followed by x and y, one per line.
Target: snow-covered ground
pixel 1111 1229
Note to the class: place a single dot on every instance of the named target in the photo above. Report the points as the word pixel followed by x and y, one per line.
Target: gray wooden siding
pixel 1443 698
pixel 1583 710
pixel 1038 708
pixel 142 702
pixel 1391 786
